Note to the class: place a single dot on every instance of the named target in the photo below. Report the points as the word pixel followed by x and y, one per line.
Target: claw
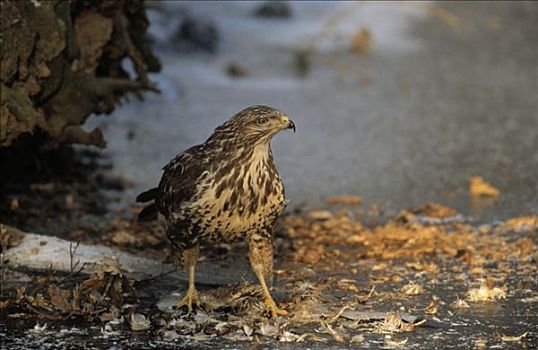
pixel 188 300
pixel 271 306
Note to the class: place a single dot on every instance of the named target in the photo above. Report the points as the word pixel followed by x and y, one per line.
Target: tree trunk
pixel 61 62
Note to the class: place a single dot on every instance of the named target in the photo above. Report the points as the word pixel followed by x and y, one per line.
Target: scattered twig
pixel 72 253
pixel 362 300
pixel 339 337
pixel 74 268
pixel 50 272
pixel 337 316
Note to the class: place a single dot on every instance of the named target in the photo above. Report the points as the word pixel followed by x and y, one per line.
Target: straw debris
pixel 486 292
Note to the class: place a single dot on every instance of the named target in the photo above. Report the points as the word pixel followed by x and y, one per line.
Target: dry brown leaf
pixel 14 204
pixel 9 237
pixel 123 237
pixel 433 307
pixel 268 329
pixel 347 285
pixel 480 188
pixel 395 343
pixel 361 41
pixel 435 210
pixel 393 323
pixel 319 215
pixel 108 265
pixel 522 223
pixel 60 298
pixel 48 187
pixel 480 343
pixel 379 267
pixel 139 322
pixel 486 292
pixel 460 304
pixel 357 338
pixel 430 267
pixel 477 271
pixel 513 338
pixel 412 289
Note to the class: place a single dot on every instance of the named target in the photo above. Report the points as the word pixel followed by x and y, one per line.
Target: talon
pixel 271 306
pixel 188 300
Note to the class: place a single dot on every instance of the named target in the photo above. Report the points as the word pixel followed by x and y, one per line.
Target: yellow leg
pixel 261 260
pixel 268 299
pixel 189 257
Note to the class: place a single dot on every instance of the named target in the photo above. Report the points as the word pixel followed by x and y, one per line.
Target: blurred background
pixel 400 103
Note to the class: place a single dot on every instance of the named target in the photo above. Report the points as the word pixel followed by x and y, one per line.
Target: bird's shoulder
pixel 180 178
pixel 185 161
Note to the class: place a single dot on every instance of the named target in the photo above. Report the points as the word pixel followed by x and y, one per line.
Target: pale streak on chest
pixel 236 218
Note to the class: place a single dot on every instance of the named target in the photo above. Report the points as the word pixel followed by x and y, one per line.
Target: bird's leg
pixel 261 260
pixel 189 258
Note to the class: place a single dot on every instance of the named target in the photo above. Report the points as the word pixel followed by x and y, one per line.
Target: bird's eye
pixel 262 120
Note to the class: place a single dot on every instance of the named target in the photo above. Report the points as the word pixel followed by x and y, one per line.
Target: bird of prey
pixel 223 190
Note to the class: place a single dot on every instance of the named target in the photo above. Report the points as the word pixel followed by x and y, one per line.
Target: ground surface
pixel 442 92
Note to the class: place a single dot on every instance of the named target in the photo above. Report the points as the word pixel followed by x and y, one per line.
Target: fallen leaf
pixel 514 338
pixel 433 307
pixel 393 323
pixel 319 215
pixel 361 41
pixel 39 329
pixel 486 292
pixel 358 338
pixel 480 188
pixel 412 289
pixel 395 343
pixel 139 322
pixel 268 329
pixel 248 330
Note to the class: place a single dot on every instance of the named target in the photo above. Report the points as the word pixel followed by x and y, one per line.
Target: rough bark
pixel 61 62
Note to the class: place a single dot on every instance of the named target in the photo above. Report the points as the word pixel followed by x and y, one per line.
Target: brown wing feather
pixel 179 180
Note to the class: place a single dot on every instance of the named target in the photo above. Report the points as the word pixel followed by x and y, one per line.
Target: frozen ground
pixel 439 97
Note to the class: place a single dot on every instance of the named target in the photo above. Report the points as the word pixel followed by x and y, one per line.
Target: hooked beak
pixel 291 125
pixel 288 123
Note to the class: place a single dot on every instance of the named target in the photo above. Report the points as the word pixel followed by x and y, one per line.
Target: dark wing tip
pixel 149 213
pixel 147 196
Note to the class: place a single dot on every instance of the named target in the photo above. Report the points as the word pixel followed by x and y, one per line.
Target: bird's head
pixel 257 124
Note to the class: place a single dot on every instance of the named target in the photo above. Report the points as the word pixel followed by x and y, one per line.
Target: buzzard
pixel 224 190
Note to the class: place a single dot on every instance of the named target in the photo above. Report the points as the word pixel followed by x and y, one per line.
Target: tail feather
pixel 147 196
pixel 149 213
